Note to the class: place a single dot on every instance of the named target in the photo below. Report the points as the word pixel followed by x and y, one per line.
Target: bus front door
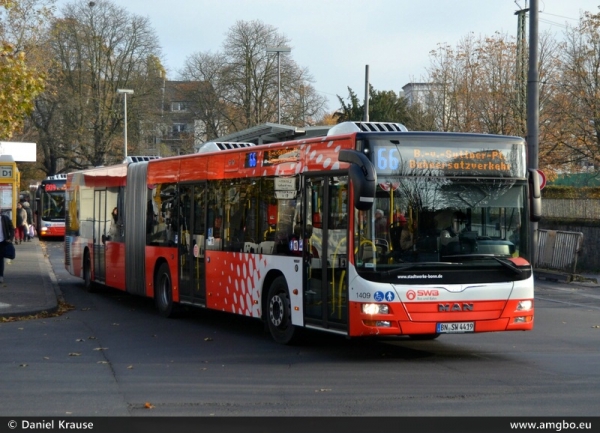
pixel 192 233
pixel 326 287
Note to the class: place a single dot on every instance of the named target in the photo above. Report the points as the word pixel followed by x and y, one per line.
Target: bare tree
pixel 98 48
pixel 576 102
pixel 207 104
pixel 496 98
pixel 241 84
pixel 473 85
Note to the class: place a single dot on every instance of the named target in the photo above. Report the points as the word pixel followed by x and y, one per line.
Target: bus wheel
pixel 163 291
pixel 88 284
pixel 424 337
pixel 279 312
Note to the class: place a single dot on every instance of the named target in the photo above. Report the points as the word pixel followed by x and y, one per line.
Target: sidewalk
pixel 30 286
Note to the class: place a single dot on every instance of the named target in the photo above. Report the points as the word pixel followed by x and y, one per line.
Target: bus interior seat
pixel 266 247
pixel 250 247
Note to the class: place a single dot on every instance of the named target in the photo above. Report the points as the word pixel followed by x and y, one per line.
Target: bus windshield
pixel 441 223
pixel 52 205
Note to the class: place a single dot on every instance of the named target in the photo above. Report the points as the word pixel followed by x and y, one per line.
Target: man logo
pixel 455 307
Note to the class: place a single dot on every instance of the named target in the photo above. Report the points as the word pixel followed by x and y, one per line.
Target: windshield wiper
pixel 506 263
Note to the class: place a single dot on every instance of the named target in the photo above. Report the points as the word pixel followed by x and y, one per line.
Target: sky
pixel 336 39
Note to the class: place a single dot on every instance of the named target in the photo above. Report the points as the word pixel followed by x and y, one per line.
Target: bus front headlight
pixel 525 305
pixel 375 309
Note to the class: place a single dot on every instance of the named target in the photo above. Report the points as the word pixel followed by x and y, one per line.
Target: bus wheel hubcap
pixel 276 310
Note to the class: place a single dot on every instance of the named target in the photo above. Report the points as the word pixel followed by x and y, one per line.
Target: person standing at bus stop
pixel 30 230
pixel 21 228
pixel 7 233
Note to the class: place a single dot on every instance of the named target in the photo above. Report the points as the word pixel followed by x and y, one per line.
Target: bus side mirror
pixel 363 177
pixel 535 196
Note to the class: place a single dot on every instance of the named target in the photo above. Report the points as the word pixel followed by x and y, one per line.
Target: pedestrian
pixel 21 228
pixel 7 249
pixel 30 233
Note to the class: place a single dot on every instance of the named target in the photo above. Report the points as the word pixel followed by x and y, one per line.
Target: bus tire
pixel 163 291
pixel 88 284
pixel 279 312
pixel 423 337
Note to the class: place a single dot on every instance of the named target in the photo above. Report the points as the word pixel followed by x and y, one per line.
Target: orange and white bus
pixel 49 207
pixel 286 232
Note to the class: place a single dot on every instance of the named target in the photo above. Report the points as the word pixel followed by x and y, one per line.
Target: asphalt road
pixel 113 355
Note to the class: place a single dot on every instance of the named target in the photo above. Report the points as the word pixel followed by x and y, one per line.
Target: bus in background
pixel 49 210
pixel 287 232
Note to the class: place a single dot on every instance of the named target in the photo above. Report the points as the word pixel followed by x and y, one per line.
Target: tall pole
pixel 533 100
pixel 125 125
pixel 278 89
pixel 278 50
pixel 125 92
pixel 521 79
pixel 366 113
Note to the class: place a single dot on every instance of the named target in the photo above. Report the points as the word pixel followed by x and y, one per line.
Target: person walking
pixel 7 233
pixel 29 235
pixel 21 228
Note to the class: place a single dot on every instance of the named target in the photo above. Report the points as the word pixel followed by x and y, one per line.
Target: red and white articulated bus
pixel 49 207
pixel 287 232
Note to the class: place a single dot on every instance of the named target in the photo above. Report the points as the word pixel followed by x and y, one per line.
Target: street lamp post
pixel 278 50
pixel 125 92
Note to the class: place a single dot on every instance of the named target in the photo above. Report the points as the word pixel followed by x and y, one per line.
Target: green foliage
pixel 384 106
pixel 577 179
pixel 352 111
pixel 569 192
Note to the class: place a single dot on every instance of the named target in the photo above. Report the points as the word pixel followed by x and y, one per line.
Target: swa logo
pixel 411 294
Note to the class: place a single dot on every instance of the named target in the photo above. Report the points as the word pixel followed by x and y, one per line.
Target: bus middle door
pixel 100 232
pixel 192 235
